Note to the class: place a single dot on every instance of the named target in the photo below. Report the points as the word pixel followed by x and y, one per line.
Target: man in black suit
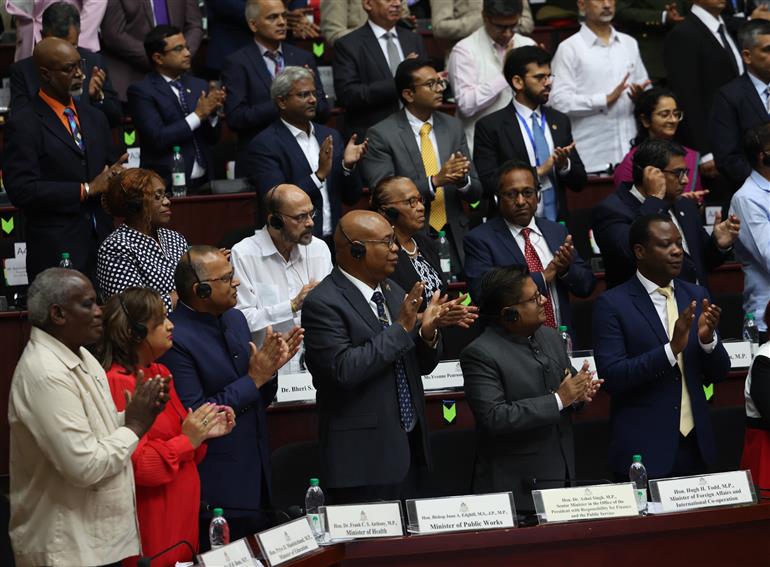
pixel 511 133
pixel 296 150
pixel 249 72
pixel 62 20
pixel 365 62
pixel 172 108
pixel 660 176
pixel 367 352
pixel 55 164
pixel 742 104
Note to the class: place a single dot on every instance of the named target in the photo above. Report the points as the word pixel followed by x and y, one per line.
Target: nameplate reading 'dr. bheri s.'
pixel 706 491
pixel 287 541
pixel 364 520
pixel 739 353
pixel 461 513
pixel 446 376
pixel 295 387
pixel 585 503
pixel 235 554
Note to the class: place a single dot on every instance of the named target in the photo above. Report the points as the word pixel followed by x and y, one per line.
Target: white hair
pixel 285 80
pixel 53 286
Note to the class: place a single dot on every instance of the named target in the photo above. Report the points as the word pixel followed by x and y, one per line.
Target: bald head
pixel 58 64
pixel 374 233
pixel 287 198
pixel 51 50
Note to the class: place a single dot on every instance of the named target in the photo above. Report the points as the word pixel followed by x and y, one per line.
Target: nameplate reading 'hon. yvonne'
pixel 295 387
pixel 585 503
pixel 461 513
pixel 364 520
pixel 446 376
pixel 287 541
pixel 235 554
pixel 705 491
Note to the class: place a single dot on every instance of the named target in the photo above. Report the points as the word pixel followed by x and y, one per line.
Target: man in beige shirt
pixel 72 485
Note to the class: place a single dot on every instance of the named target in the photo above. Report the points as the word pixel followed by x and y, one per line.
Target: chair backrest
pixel 293 467
pixel 454 453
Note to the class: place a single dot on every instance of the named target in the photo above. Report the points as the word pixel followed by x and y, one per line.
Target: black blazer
pixel 25 82
pixel 406 276
pixel 612 219
pixel 249 107
pixel 161 124
pixel 43 169
pixel 737 108
pixel 497 139
pixel 351 358
pixel 363 82
pixel 696 67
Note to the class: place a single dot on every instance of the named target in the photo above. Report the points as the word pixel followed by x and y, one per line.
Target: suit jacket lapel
pixel 643 303
pixel 504 234
pixel 513 131
pixel 258 64
pixel 753 97
pixel 55 126
pixel 392 300
pixel 150 14
pixel 288 141
pixel 163 88
pixel 356 300
pixel 410 145
pixel 439 127
pixel 372 45
pixel 551 239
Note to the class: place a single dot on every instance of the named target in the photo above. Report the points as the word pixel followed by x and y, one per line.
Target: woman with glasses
pixel 136 333
pixel 658 116
pixel 141 252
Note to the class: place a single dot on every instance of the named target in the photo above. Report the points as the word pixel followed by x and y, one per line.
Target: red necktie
pixel 535 265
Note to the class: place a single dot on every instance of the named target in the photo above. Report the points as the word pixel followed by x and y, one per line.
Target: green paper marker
pixel 318 49
pixel 129 138
pixel 709 391
pixel 450 411
pixel 7 225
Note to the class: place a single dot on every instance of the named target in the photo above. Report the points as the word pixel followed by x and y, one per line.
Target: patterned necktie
pixel 542 153
pixel 394 59
pixel 767 99
pixel 185 104
pixel 74 130
pixel 437 207
pixel 405 406
pixel 535 265
pixel 726 45
pixel 686 422
pixel 277 58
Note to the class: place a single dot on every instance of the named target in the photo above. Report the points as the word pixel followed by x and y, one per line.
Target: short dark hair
pixel 377 194
pixel 513 165
pixel 750 31
pixel 639 233
pixel 58 18
pixel 501 287
pixel 502 8
pixel 189 270
pixel 155 40
pixel 654 152
pixel 755 140
pixel 645 106
pixel 404 74
pixel 517 60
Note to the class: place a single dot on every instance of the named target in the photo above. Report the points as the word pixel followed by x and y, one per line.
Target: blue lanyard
pixel 529 132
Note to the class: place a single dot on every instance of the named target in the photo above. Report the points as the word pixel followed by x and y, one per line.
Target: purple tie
pixel 161 12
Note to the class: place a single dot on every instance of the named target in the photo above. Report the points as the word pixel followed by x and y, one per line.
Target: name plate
pixel 235 554
pixel 461 513
pixel 287 541
pixel 358 521
pixel 585 503
pixel 739 353
pixel 295 387
pixel 447 375
pixel 707 491
pixel 577 363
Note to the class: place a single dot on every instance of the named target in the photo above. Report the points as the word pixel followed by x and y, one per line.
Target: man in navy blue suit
pixel 296 150
pixel 656 346
pixel 171 108
pixel 660 176
pixel 249 72
pixel 213 360
pixel 517 237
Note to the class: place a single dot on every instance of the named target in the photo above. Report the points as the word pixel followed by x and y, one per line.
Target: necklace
pixel 414 252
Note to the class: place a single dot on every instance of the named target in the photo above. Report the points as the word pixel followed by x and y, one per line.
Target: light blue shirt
pixel 752 205
pixel 761 88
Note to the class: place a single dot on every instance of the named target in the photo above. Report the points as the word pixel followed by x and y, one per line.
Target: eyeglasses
pixel 680 173
pixel 227 278
pixel 302 217
pixel 176 49
pixel 527 193
pixel 304 95
pixel 411 200
pixel 389 242
pixel 72 68
pixel 161 194
pixel 436 85
pixel 666 114
pixel 534 299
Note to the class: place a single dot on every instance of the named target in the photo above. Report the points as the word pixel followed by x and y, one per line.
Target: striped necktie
pixel 74 129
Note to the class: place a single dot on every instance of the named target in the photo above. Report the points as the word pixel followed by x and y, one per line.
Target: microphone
pixel 147 561
pixel 276 516
pixel 533 482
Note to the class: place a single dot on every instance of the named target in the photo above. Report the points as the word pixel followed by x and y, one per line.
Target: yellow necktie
pixel 437 207
pixel 686 423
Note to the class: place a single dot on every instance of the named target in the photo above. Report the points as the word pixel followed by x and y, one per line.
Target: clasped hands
pixel 580 387
pixel 707 324
pixel 440 312
pixel 276 350
pixel 562 259
pixel 453 171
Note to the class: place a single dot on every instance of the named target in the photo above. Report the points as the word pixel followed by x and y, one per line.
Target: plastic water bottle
pixel 314 499
pixel 444 254
pixel 751 332
pixel 65 261
pixel 566 338
pixel 638 475
pixel 178 179
pixel 219 531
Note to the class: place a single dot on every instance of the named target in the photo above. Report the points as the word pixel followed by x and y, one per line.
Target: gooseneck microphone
pixel 147 561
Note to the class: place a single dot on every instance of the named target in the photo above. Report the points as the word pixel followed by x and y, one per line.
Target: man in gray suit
pixel 521 388
pixel 429 147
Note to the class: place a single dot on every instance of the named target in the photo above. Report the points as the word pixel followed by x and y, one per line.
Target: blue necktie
pixel 277 58
pixel 74 130
pixel 161 12
pixel 405 406
pixel 543 154
pixel 184 103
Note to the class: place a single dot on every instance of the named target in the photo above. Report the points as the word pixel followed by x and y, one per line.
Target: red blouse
pixel 166 474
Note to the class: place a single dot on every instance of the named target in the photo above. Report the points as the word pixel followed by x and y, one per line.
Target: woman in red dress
pixel 136 333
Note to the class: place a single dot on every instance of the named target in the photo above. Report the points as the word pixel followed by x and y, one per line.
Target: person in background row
pixel 141 252
pixel 454 19
pixel 125 26
pixel 136 333
pixel 475 64
pixel 340 17
pixel 228 32
pixel 71 485
pixel 55 164
pixel 62 20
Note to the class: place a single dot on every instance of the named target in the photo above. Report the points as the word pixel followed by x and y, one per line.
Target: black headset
pixel 138 330
pixel 203 291
pixel 357 248
pixel 510 314
pixel 391 213
pixel 275 220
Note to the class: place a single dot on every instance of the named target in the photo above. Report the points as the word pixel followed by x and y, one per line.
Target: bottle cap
pixel 441 233
pixel 176 149
pixel 562 328
pixel 218 512
pixel 65 255
pixel 313 482
pixel 750 316
pixel 636 459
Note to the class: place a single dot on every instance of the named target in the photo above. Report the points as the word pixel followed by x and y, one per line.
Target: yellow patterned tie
pixel 686 423
pixel 437 207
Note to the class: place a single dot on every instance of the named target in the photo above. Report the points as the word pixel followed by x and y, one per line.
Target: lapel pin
pixel 681 213
pixel 553 126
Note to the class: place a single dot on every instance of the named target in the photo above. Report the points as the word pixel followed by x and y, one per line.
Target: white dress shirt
pixel 585 70
pixel 713 24
pixel 379 33
pixel 367 292
pixel 638 194
pixel 269 282
pixel 311 148
pixel 270 63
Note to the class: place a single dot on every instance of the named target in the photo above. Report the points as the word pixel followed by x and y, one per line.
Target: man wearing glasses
pixel 660 176
pixel 280 263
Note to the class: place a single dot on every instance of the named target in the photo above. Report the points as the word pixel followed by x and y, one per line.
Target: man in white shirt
pixel 280 263
pixel 596 74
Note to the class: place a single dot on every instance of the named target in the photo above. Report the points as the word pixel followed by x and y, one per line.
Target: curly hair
pixel 130 194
